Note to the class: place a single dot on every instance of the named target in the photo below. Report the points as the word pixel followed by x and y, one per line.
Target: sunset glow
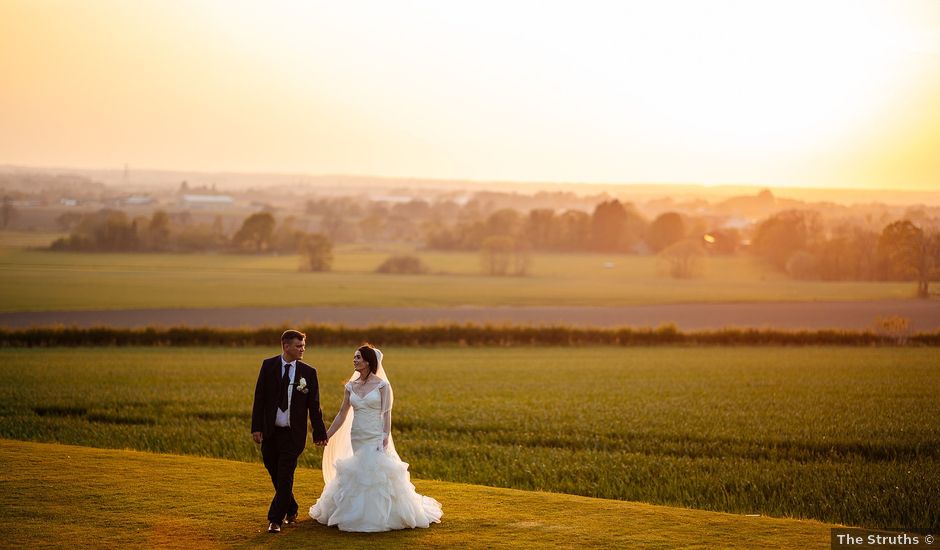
pixel 834 94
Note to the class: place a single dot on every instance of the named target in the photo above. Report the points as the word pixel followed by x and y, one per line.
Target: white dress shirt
pixel 282 420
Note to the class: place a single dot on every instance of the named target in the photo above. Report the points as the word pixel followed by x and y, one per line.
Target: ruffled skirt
pixel 372 492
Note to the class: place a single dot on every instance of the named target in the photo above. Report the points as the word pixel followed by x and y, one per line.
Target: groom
pixel 286 393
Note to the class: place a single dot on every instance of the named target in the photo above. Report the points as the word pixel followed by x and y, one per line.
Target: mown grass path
pixel 66 496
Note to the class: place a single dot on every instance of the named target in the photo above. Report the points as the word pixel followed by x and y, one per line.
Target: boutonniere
pixel 302 386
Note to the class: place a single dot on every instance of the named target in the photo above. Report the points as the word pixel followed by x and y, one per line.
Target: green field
pixel 844 435
pixel 76 497
pixel 48 281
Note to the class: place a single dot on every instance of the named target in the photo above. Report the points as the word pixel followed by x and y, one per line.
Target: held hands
pixel 322 442
pixel 257 437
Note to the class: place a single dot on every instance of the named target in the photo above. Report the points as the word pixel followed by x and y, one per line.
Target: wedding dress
pixel 368 487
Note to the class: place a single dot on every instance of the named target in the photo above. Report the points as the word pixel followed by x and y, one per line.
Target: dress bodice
pixel 367 419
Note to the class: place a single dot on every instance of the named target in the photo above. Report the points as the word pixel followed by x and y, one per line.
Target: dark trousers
pixel 280 458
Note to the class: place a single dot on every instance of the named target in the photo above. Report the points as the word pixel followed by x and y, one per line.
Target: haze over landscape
pixel 808 94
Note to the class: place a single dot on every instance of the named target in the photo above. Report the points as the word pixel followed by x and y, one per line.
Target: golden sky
pixel 822 93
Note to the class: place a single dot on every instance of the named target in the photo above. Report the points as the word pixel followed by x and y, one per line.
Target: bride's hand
pixel 385 443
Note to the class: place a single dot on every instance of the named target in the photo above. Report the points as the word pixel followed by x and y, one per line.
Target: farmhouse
pixel 205 201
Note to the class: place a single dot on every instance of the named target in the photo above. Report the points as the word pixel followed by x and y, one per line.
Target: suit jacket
pixel 302 405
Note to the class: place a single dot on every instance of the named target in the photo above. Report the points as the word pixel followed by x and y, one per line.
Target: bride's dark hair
pixel 368 354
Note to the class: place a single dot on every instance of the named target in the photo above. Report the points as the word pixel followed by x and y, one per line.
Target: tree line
pixel 796 242
pixel 114 231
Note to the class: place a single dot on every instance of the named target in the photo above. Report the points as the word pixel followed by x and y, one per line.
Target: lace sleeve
pixel 340 416
pixel 385 393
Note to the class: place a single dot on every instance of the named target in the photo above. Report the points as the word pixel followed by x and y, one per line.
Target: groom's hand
pixel 257 437
pixel 322 442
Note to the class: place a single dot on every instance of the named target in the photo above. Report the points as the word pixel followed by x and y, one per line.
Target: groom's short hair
pixel 292 335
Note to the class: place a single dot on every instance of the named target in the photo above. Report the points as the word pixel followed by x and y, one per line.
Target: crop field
pixel 843 435
pixel 52 281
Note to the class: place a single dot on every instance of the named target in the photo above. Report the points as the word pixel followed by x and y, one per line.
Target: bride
pixel 368 487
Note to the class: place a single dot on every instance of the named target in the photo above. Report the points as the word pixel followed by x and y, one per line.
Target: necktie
pixel 285 388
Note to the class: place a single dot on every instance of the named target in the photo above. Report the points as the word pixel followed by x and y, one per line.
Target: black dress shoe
pixel 274 528
pixel 291 519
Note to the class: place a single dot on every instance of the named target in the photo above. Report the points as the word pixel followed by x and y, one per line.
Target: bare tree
pixel 683 259
pixel 316 252
pixel 496 255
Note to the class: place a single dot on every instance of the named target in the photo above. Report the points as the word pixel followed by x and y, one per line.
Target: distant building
pixel 68 202
pixel 394 199
pixel 138 200
pixel 203 201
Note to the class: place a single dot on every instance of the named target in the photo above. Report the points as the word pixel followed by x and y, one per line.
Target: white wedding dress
pixel 370 490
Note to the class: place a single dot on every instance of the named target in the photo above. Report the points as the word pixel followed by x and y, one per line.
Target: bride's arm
pixel 340 416
pixel 386 414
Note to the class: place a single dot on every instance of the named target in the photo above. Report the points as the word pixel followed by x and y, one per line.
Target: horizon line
pixel 663 183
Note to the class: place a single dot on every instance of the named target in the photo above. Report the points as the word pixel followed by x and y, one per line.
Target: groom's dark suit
pixel 280 447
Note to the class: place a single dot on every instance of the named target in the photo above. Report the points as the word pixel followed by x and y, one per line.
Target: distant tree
pixel 440 237
pixel 7 212
pixel 607 225
pixel 521 257
pixel 255 233
pixel 68 221
pixel 665 230
pixel 503 255
pixel 912 253
pixel 496 255
pixel 199 237
pixel 116 233
pixel 683 259
pixel 781 235
pixel 503 222
pixel 542 229
pixel 316 252
pixel 575 230
pixel 415 209
pixel 635 228
pixel 337 228
pixel 158 231
pixel 372 228
pixel 287 237
pixel 402 264
pixel 849 253
pixel 400 228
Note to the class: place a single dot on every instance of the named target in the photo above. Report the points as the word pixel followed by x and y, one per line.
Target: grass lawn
pixel 66 496
pixel 48 281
